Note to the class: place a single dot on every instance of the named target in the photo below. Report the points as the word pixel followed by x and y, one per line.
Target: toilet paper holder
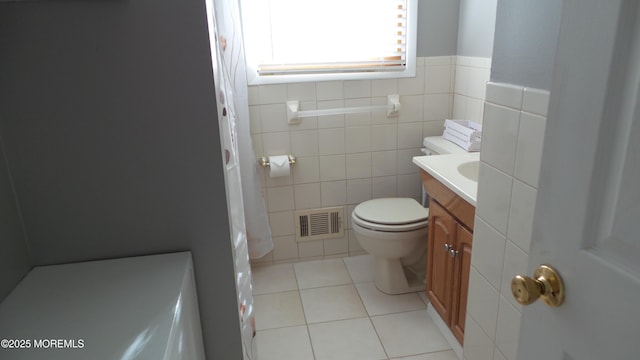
pixel 264 161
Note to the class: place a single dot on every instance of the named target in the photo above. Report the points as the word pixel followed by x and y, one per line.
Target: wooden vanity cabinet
pixel 439 284
pixel 462 268
pixel 449 254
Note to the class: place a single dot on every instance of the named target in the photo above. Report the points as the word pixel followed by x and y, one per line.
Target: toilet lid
pixel 391 211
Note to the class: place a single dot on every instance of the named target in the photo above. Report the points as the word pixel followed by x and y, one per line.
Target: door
pixel 442 232
pixel 462 268
pixel 587 214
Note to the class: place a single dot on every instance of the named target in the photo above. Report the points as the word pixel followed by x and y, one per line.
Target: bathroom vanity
pixel 451 183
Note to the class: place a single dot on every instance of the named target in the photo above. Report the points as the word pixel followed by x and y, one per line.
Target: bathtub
pixel 130 308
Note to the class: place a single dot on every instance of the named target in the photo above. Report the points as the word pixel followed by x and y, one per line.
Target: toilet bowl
pixel 394 232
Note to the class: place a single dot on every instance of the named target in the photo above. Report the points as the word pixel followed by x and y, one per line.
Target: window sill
pixel 410 71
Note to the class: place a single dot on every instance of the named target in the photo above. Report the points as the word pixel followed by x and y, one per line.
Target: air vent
pixel 318 224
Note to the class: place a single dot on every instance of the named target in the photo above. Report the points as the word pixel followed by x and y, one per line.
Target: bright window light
pixel 310 40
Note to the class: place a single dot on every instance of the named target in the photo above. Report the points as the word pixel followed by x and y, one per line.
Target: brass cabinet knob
pixel 545 284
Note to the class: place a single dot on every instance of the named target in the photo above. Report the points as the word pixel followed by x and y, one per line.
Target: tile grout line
pixel 304 315
pixel 367 310
pixel 360 297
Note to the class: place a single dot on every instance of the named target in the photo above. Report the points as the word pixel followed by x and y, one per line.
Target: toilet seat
pixel 391 215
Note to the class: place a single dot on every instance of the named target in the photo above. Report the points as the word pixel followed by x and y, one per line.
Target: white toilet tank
pixel 131 308
pixel 437 145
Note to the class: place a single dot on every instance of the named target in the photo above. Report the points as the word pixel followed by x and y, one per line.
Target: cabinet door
pixel 442 229
pixel 462 267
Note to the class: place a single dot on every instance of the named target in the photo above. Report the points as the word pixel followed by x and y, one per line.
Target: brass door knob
pixel 545 284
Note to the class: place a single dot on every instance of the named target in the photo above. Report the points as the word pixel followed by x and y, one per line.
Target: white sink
pixel 458 172
pixel 470 170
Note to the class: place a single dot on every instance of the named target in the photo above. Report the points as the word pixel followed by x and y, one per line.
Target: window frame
pixel 254 78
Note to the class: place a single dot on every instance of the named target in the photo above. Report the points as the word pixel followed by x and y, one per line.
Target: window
pixel 309 40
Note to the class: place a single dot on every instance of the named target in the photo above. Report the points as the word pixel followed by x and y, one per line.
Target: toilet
pixel 394 231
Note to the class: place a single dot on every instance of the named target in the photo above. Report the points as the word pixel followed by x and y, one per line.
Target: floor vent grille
pixel 318 224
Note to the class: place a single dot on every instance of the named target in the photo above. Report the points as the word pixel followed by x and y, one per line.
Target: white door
pixel 587 217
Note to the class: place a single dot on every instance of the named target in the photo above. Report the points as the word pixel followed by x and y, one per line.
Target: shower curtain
pixel 232 68
pixel 250 231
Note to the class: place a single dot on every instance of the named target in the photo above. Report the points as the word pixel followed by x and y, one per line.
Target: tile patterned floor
pixel 331 310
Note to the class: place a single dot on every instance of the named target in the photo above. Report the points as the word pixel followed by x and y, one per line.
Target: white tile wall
pixel 281 223
pixel 384 137
pixel 513 134
pixel 500 137
pixel 280 198
pixel 307 196
pixel 345 159
pixel 498 356
pixel 358 190
pixel 359 165
pixel 477 345
pixel 333 193
pixel 471 77
pixel 409 186
pixel 535 101
pixel 307 170
pixel 272 94
pixel 523 200
pixel 529 150
pixel 505 94
pixel 485 307
pixel 508 329
pixel 311 249
pixel 384 163
pixel 304 143
pixel 494 197
pixel 330 90
pixel 489 244
pixel 436 107
pixel 383 186
pixel 357 89
pixel 333 167
pixel 336 246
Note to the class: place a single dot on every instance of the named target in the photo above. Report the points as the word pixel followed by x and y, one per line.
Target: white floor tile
pixel 313 310
pixel 424 297
pixel 312 274
pixel 278 310
pixel 332 303
pixel 353 339
pixel 284 343
pixel 360 268
pixel 273 278
pixel 441 355
pixel 409 333
pixel 379 303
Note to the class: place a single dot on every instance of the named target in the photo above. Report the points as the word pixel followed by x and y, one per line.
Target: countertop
pixel 445 169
